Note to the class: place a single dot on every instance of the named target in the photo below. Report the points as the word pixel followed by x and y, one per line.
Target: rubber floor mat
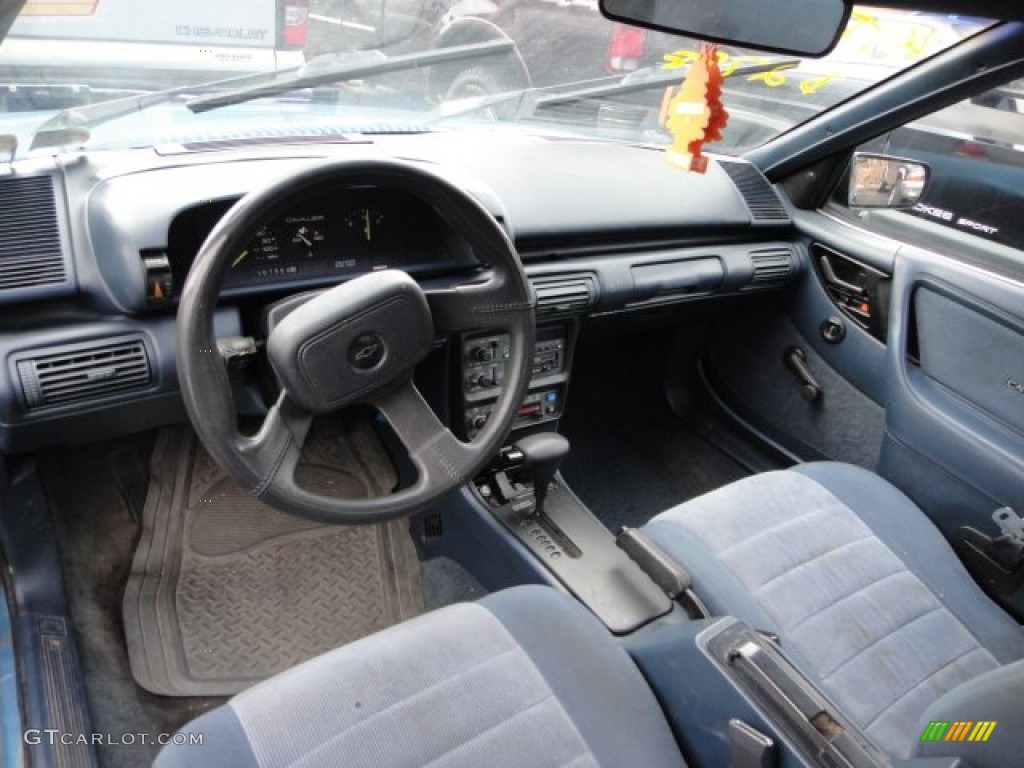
pixel 225 591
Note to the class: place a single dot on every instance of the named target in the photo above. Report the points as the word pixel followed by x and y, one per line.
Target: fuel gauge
pixel 366 223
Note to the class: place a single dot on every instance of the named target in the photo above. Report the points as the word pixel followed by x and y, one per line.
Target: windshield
pixel 123 73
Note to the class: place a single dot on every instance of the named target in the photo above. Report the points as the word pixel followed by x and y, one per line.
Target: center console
pixel 733 697
pixel 523 492
pixel 482 365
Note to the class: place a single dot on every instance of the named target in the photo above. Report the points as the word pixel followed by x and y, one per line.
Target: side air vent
pixel 565 293
pixel 83 372
pixel 30 251
pixel 771 267
pixel 761 199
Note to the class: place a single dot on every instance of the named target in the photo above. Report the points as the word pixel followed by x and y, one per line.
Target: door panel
pixel 953 416
pixel 973 350
pixel 941 402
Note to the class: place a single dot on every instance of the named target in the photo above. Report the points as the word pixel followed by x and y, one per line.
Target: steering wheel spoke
pixel 475 306
pixel 437 454
pixel 274 451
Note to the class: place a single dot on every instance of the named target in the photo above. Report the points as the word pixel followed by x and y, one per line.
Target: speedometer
pixel 264 247
pixel 264 258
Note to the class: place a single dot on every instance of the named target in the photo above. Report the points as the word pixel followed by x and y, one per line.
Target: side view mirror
pixel 880 181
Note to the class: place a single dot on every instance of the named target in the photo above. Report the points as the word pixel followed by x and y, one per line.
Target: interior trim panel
pixel 860 357
pixel 931 419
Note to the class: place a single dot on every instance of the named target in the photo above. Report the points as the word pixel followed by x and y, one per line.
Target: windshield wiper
pixel 72 126
pixel 326 72
pixel 533 99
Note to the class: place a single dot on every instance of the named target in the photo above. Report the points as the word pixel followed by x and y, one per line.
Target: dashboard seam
pixel 490 308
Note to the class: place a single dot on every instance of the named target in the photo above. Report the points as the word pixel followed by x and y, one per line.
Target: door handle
pixel 837 282
pixel 795 359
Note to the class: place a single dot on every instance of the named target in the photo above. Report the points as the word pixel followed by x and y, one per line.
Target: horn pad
pixel 351 340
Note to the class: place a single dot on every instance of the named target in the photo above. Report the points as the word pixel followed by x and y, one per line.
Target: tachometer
pixel 307 234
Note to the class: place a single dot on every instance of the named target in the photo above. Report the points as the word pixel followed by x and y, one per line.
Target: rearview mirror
pixel 801 27
pixel 879 181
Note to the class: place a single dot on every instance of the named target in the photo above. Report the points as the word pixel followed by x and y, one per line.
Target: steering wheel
pixel 358 342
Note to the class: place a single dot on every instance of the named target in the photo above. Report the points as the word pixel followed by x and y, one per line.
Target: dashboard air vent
pixel 770 267
pixel 83 372
pixel 30 250
pixel 761 199
pixel 565 293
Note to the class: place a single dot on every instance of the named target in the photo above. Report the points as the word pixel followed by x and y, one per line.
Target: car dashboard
pixel 95 249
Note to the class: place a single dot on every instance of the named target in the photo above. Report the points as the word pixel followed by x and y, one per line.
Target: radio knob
pixel 483 354
pixel 479 421
pixel 482 380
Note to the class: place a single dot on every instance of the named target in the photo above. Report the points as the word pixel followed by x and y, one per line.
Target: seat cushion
pixel 524 677
pixel 864 593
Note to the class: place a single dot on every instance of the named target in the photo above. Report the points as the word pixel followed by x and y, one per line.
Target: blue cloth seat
pixel 866 597
pixel 524 677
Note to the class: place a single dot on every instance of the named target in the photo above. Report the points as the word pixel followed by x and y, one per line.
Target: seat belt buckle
pixel 749 748
pixel 1007 550
pixel 1012 526
pixel 997 563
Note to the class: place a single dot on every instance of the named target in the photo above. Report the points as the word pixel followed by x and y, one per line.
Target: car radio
pixel 484 358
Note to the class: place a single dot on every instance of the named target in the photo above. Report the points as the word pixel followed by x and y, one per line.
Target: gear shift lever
pixel 542 453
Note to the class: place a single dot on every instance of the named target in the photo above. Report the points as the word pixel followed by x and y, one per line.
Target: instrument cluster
pixel 326 238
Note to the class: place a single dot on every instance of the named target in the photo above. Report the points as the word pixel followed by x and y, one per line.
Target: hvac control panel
pixel 484 359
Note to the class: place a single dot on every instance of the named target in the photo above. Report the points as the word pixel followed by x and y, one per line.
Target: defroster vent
pixel 83 372
pixel 30 249
pixel 565 294
pixel 759 195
